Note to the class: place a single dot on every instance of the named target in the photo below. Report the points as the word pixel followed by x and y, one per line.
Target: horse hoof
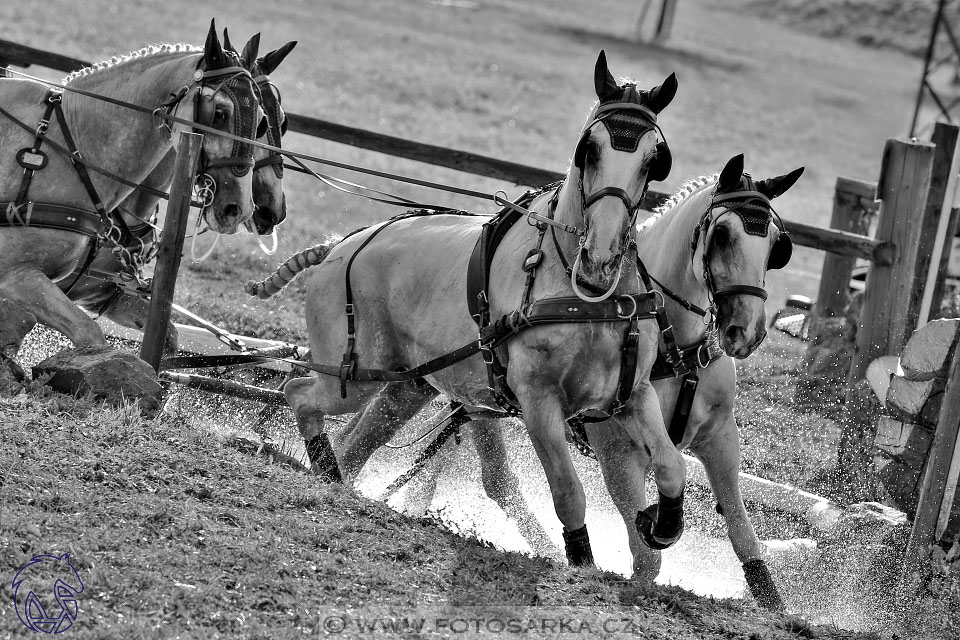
pixel 761 584
pixel 323 462
pixel 646 521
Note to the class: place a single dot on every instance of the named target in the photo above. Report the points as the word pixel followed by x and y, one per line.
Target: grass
pixel 176 535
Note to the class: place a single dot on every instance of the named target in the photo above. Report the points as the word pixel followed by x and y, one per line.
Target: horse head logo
pixel 45 593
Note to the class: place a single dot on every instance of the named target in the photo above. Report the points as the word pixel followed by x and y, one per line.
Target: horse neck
pixel 127 141
pixel 664 245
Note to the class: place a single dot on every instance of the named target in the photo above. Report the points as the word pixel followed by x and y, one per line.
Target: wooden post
pixel 853 211
pixel 933 495
pixel 934 225
pixel 883 328
pixel 902 188
pixel 171 248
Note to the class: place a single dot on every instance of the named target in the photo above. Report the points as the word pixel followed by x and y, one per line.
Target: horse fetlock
pixel 323 462
pixel 761 585
pixel 660 525
pixel 577 546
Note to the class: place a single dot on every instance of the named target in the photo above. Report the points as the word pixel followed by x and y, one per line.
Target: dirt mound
pixel 897 24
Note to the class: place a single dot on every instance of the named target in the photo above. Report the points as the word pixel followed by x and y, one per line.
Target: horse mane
pixel 145 52
pixel 687 189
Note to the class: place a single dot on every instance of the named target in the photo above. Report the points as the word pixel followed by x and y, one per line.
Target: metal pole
pixel 926 65
pixel 171 248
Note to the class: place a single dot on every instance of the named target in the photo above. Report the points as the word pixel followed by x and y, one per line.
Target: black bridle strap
pixel 614 192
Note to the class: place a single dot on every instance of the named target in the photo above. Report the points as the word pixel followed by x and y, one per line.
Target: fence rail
pixel 830 240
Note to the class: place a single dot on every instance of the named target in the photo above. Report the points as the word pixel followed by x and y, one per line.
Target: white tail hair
pixel 290 269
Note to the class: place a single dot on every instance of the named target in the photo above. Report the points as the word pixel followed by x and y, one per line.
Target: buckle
pixel 42 127
pixel 703 350
pixel 633 312
pixel 487 354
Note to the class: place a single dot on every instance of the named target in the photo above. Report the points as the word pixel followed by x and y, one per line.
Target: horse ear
pixel 250 51
pixel 663 95
pixel 272 60
pixel 213 54
pixel 731 174
pixel 226 41
pixel 603 81
pixel 773 187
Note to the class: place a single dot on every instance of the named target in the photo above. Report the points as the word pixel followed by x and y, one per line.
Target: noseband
pixel 756 213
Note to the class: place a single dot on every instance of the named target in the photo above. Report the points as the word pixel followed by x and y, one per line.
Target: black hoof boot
pixel 322 460
pixel 577 543
pixel 661 525
pixel 762 586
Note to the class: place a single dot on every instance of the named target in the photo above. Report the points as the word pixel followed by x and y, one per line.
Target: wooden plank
pixel 842 243
pixel 903 187
pixel 24 56
pixel 171 248
pixel 865 190
pixel 934 225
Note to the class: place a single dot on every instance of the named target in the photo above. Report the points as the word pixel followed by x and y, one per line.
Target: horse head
pixel 268 197
pixel 226 100
pixel 612 165
pixel 738 239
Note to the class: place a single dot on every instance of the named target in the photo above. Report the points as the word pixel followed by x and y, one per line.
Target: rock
pixel 928 352
pixel 15 323
pixel 109 374
pixel 911 400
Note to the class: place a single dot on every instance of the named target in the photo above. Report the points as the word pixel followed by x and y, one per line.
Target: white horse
pixel 55 200
pixel 106 286
pixel 392 296
pixel 701 258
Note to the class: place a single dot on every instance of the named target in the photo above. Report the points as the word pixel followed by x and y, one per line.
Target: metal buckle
pixel 42 127
pixel 633 311
pixel 704 349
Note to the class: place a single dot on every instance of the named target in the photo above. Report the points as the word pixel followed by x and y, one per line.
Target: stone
pixel 927 354
pixel 910 400
pixel 108 374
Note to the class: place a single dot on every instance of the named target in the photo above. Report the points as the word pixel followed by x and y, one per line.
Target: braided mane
pixel 145 52
pixel 686 189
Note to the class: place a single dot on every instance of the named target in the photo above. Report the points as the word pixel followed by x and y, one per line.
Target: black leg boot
pixel 322 460
pixel 577 545
pixel 660 525
pixel 761 585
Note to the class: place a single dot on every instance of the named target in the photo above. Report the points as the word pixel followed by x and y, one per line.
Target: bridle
pixel 276 120
pixel 238 84
pixel 626 122
pixel 756 213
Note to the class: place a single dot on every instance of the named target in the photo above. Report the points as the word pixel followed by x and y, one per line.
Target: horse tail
pixel 289 270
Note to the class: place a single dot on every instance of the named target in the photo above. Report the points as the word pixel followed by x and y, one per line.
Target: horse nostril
pixel 733 334
pixel 231 211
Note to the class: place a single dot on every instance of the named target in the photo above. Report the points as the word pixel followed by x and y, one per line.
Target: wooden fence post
pixel 936 496
pixel 853 211
pixel 902 188
pixel 934 226
pixel 171 247
pixel 883 329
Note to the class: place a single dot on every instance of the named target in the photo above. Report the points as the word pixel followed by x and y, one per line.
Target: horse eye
pixel 220 115
pixel 721 236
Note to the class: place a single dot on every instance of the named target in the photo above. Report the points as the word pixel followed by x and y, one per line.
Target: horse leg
pixel 379 420
pixel 132 312
pixel 37 294
pixel 543 417
pixel 503 487
pixel 720 455
pixel 623 465
pixel 660 525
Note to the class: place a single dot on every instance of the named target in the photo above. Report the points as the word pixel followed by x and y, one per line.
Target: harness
pixel 756 212
pixel 103 226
